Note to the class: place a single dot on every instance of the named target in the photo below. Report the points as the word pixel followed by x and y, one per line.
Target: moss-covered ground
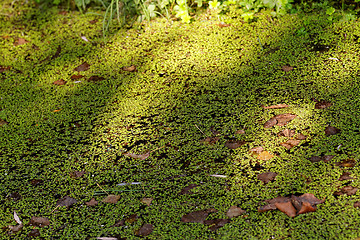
pixel 167 105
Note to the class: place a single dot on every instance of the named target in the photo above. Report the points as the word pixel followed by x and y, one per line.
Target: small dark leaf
pixel 92 202
pixel 74 77
pixel 15 196
pixel 66 201
pixel 322 104
pixel 210 140
pixel 145 230
pixel 197 216
pixel 331 131
pixel 36 182
pixel 83 67
pixel 34 233
pixel 111 199
pixel 186 190
pixel 347 163
pixel 345 176
pixel 266 177
pixel 39 221
pixel 20 41
pixel 348 190
pixel 95 79
pixel 57 54
pixel 59 82
pixel 233 144
pixel 77 174
pixel 132 218
pixel 3 122
pixel 93 21
pixel 215 224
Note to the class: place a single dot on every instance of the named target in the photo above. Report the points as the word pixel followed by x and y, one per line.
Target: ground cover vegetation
pixel 222 128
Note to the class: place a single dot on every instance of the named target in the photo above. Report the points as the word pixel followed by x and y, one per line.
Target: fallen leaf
pixel 300 136
pixel 119 223
pixel 271 203
pixel 287 68
pixel 357 204
pixel 20 41
pixel 284 119
pixel 270 123
pixel 306 207
pixel 257 150
pixel 3 69
pixel 82 67
pixel 3 122
pixel 132 218
pixel 145 230
pixel 92 202
pixel 59 82
pixel 95 79
pixel 131 68
pixel 322 104
pixel 138 156
pixel 290 143
pixel 34 233
pixel 74 77
pixel 15 229
pixel 310 198
pixel 277 106
pixel 15 196
pixel 346 163
pixel 62 13
pixel 345 176
pixel 111 199
pixel 210 140
pixel 39 221
pixel 241 131
pixel 93 21
pixel 147 201
pixel 325 158
pixel 186 190
pixel 265 155
pixel 234 211
pixel 233 144
pixel 331 131
pixel 66 201
pixel 348 190
pixel 17 219
pixel 57 110
pixel 286 133
pixel 197 216
pixel 215 224
pixel 266 177
pixel 107 238
pixel 287 208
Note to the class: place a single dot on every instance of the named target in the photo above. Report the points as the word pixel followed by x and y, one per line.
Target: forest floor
pixel 208 130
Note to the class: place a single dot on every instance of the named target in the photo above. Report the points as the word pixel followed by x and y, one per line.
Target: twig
pixel 200 130
pixel 103 189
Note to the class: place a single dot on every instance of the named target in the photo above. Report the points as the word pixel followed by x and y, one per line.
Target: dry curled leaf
pixel 197 216
pixel 265 155
pixel 234 211
pixel 92 202
pixel 287 68
pixel 266 177
pixel 331 131
pixel 147 201
pixel 210 140
pixel 66 201
pixel 131 68
pixel 277 106
pixel 34 233
pixel 286 133
pixel 347 163
pixel 111 199
pixel 306 207
pixel 59 82
pixel 284 119
pixel 75 77
pixel 39 221
pixel 270 123
pixel 82 67
pixel 257 150
pixel 138 156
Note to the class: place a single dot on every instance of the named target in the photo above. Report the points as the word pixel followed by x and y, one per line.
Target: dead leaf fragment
pixel 57 53
pixel 145 230
pixel 111 199
pixel 290 143
pixel 357 204
pixel 257 150
pixel 131 68
pixel 324 158
pixel 222 25
pixel 197 216
pixel 348 190
pixel 186 189
pixel 95 79
pixel 284 119
pixel 287 208
pixel 74 77
pixel 306 207
pixel 265 155
pixel 138 156
pixel 92 202
pixel 39 221
pixel 147 201
pixel 15 229
pixel 345 176
pixel 300 136
pixel 277 106
pixel 331 131
pixel 3 122
pixel 59 82
pixel 347 163
pixel 210 140
pixel 215 224
pixel 66 201
pixel 234 211
pixel 34 233
pixel 286 133
pixel 266 177
pixel 287 68
pixel 93 21
pixel 3 69
pixel 82 67
pixel 270 123
pixel 322 104
pixel 233 144
pixel 20 41
pixel 77 174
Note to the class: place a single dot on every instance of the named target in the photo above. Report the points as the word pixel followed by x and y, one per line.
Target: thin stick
pixel 103 189
pixel 156 149
pixel 200 130
pixel 55 208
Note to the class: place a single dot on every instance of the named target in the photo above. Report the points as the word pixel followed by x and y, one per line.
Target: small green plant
pixel 182 11
pixel 330 11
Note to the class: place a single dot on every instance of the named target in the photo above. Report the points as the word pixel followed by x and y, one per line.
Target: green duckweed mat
pixel 158 132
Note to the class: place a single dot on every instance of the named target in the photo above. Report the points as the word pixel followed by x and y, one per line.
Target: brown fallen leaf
pixel 74 77
pixel 270 123
pixel 95 79
pixel 147 201
pixel 222 25
pixel 59 82
pixel 301 136
pixel 186 189
pixel 34 233
pixel 145 230
pixel 271 203
pixel 347 163
pixel 277 106
pixel 82 67
pixel 322 104
pixel 233 144
pixel 92 202
pixel 138 156
pixel 241 131
pixel 62 13
pixel 290 143
pixel 197 216
pixel 131 68
pixel 93 21
pixel 257 150
pixel 39 221
pixel 286 133
pixel 265 155
pixel 111 199
pixel 3 69
pixel 306 207
pixel 66 201
pixel 16 228
pixel 287 208
pixel 215 224
pixel 345 176
pixel 284 119
pixel 3 122
pixel 348 190
pixel 287 68
pixel 77 174
pixel 20 41
pixel 132 218
pixel 266 177
pixel 234 211
pixel 357 204
pixel 331 131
